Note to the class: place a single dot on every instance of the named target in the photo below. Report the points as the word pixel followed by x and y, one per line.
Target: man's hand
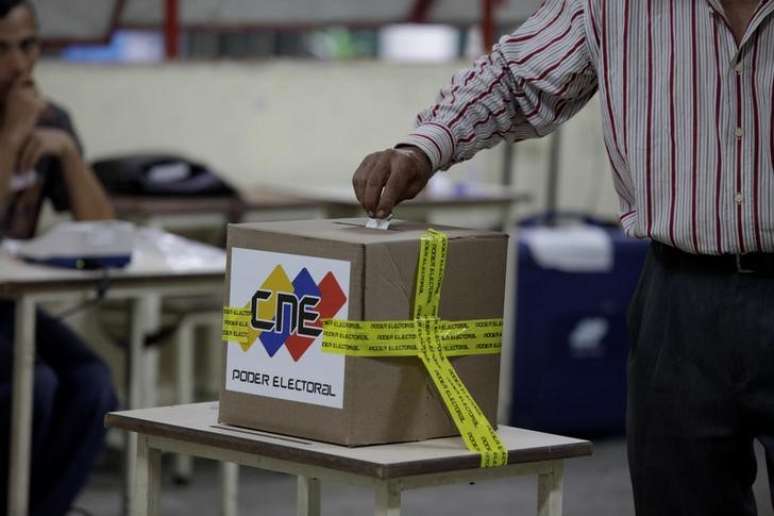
pixel 23 107
pixel 388 177
pixel 44 142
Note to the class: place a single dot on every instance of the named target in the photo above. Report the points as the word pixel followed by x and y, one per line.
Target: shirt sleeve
pixel 533 80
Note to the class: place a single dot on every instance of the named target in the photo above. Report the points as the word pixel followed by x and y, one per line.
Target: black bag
pixel 159 174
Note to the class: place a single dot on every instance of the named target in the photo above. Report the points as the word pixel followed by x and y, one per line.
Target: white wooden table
pixel 169 211
pixel 162 265
pixel 340 202
pixel 387 469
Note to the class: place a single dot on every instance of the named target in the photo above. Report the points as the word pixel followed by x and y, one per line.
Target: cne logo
pixel 290 313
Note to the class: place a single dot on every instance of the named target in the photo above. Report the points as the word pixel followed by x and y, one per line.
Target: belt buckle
pixel 740 268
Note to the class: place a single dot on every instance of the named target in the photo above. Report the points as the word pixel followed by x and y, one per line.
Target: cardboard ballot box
pixel 292 275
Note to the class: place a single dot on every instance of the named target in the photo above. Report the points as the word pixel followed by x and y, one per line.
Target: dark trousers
pixel 72 393
pixel 701 388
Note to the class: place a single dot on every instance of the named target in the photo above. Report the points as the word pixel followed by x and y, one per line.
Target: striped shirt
pixel 687 113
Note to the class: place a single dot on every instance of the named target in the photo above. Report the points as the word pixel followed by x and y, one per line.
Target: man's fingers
pixel 386 178
pixel 377 177
pixel 30 154
pixel 24 155
pixel 394 191
pixel 26 86
pixel 360 178
pixel 413 189
pixel 24 77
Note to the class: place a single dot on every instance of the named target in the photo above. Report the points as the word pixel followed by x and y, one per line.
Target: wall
pixel 298 122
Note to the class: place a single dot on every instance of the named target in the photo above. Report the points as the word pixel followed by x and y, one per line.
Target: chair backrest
pixel 159 174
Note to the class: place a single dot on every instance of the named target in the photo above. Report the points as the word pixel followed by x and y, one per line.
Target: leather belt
pixel 761 264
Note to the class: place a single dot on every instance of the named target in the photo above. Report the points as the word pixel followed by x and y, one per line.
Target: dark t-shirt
pixel 21 217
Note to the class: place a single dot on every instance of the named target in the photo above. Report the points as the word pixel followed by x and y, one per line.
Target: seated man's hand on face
pixel 19 131
pixel 21 112
pixel 388 177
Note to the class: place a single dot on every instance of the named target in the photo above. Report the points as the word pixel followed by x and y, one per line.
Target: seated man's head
pixel 19 45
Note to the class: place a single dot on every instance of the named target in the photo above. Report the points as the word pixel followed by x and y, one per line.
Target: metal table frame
pixel 44 284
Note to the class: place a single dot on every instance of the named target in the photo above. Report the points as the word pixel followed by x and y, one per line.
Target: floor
pixel 594 486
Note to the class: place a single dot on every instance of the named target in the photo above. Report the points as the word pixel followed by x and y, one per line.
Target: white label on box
pixel 288 295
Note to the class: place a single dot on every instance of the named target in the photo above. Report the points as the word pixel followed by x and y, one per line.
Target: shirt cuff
pixel 435 140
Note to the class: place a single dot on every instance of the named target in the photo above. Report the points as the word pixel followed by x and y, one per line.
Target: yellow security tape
pixel 476 337
pixel 237 327
pixel 432 262
pixel 474 427
pixel 433 341
pixel 399 338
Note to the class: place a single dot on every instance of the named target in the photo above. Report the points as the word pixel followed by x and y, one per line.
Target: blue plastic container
pixel 571 341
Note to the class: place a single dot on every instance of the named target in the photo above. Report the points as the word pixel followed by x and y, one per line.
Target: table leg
pixel 21 419
pixel 137 317
pixel 213 354
pixel 184 342
pixel 505 217
pixel 146 490
pixel 308 498
pixel 229 488
pixel 550 491
pixel 149 394
pixel 150 305
pixel 388 499
pixel 130 467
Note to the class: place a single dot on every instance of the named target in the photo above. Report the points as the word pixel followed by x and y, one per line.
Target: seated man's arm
pixel 19 117
pixel 7 160
pixel 86 199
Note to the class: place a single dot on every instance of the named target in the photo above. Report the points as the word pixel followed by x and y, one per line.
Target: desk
pixel 212 211
pixel 388 469
pixel 163 264
pixel 331 202
pixel 340 201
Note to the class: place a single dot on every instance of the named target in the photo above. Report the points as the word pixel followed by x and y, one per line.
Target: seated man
pixel 40 159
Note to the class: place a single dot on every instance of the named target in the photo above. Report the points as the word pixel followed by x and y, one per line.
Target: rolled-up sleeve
pixel 532 81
